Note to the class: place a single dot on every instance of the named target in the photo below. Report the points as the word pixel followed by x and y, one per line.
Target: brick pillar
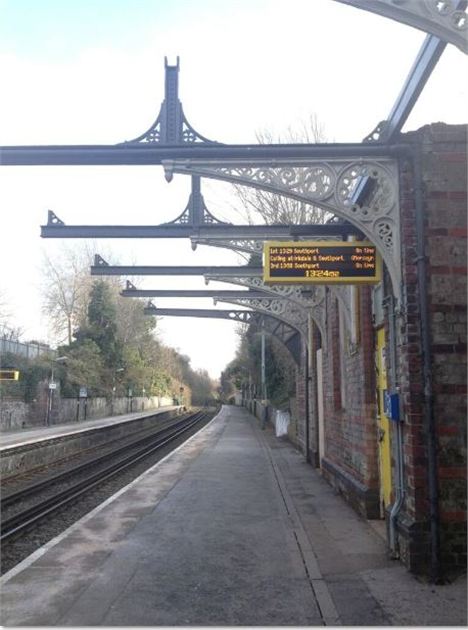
pixel 443 153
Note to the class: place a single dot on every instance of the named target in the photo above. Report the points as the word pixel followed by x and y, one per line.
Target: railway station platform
pixel 19 437
pixel 231 529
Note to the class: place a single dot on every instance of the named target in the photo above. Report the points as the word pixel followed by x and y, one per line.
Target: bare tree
pixel 7 330
pixel 272 208
pixel 66 286
pixel 5 313
pixel 9 333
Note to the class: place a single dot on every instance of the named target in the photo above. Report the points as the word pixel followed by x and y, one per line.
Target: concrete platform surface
pixel 232 529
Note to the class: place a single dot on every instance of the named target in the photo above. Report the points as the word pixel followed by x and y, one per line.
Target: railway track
pixel 109 465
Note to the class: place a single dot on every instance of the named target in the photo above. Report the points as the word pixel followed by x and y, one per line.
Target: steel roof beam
pixel 424 64
pixel 151 309
pixel 287 334
pixel 236 315
pixel 146 154
pixel 192 293
pixel 220 231
pixel 152 270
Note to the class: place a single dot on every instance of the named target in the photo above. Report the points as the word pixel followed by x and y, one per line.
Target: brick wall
pixel 351 454
pixel 443 156
pixel 351 442
pixel 300 406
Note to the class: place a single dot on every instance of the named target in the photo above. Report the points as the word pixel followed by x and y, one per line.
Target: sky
pixel 92 72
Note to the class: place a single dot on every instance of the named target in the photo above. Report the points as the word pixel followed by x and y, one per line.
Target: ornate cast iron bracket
pixel 243 317
pixel 171 126
pixel 311 298
pixel 196 213
pixel 288 335
pixel 363 191
pixel 312 301
pixel 282 309
pixel 307 299
pixel 246 246
pixel 243 246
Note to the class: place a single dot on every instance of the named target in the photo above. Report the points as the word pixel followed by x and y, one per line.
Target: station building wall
pixel 350 461
pixel 442 152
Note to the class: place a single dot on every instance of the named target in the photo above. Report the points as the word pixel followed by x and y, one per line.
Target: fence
pixel 28 350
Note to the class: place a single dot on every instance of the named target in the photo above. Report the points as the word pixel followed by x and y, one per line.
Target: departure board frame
pixel 299 260
pixel 9 374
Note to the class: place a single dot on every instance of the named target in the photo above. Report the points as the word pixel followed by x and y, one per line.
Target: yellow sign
pixel 9 375
pixel 321 262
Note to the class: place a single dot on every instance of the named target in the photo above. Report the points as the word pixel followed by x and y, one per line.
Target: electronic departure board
pixel 321 262
pixel 9 375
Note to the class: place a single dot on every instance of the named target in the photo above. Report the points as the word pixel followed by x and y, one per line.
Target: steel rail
pixel 19 495
pixel 23 520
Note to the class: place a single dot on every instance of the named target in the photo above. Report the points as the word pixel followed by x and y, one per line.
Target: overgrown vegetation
pixel 32 372
pixel 113 350
pixel 245 369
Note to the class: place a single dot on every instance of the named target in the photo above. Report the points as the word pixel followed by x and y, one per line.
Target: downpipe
pixel 399 486
pixel 307 411
pixel 429 416
pixel 400 494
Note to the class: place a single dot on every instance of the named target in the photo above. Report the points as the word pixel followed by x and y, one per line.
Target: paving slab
pixel 232 529
pixel 367 588
pixel 201 539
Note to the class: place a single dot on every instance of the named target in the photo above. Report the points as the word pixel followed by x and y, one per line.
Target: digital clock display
pixel 321 262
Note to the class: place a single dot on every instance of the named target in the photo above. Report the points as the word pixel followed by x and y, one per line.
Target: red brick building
pixel 412 472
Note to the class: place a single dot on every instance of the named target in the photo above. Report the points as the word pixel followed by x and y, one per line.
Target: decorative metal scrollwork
pixel 196 213
pixel 316 181
pixel 383 196
pixel 311 300
pixel 190 136
pixel 171 125
pixel 362 191
pixel 285 333
pixel 282 309
pixel 307 183
pixel 240 245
